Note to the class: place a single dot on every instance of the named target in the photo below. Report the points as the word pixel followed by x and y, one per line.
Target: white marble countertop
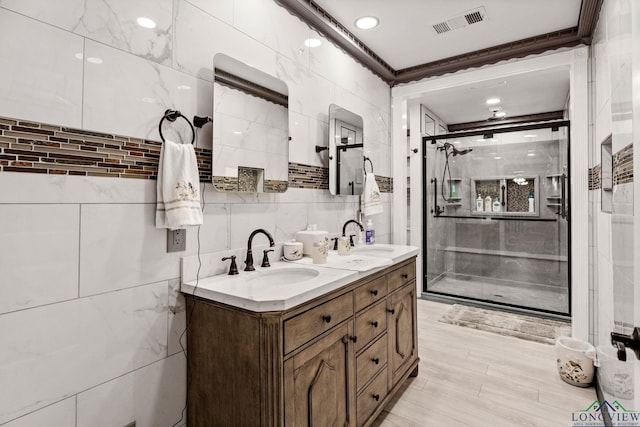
pixel 250 291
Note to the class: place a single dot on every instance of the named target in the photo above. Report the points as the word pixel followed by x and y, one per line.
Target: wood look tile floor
pixel 469 377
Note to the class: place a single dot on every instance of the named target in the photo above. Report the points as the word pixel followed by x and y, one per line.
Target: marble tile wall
pixel 90 312
pixel 612 241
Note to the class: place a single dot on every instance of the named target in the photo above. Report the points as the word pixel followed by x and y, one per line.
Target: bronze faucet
pixel 249 260
pixel 344 230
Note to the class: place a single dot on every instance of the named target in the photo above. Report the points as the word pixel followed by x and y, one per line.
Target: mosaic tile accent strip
pixel 623 166
pixel 32 147
pixel 275 186
pixel 305 176
pixel 595 177
pixel 385 184
pixel 40 148
pixel 225 183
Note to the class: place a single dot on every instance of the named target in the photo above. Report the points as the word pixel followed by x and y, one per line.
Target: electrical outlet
pixel 176 240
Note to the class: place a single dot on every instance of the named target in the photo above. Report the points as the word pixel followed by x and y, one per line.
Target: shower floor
pixel 534 296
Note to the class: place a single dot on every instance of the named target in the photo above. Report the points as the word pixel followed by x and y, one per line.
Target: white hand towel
pixel 178 188
pixel 371 202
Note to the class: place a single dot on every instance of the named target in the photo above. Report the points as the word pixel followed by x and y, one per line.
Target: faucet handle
pixel 265 258
pixel 233 268
pixel 351 236
pixel 335 243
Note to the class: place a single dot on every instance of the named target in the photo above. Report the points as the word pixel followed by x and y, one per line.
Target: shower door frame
pixel 425 212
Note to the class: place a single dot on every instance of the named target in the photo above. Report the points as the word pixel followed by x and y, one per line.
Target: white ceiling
pixel 405 38
pixel 524 94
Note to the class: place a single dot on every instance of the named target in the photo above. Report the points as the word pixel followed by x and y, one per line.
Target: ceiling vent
pixel 465 19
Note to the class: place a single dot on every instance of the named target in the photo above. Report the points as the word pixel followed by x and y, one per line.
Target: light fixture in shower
pixel 520 180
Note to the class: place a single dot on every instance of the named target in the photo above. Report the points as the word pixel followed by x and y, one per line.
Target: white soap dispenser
pixel 479 204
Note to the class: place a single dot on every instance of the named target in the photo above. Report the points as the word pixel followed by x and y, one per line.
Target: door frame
pixel 575 61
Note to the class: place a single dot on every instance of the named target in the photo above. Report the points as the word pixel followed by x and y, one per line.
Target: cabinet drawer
pixel 371 292
pixel 371 361
pixel 370 323
pixel 401 276
pixel 371 397
pixel 308 325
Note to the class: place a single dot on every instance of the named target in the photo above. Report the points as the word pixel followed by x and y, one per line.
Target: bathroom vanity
pixel 333 360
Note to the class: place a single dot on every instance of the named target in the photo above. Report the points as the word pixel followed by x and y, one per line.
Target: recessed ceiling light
pixel 237 132
pixel 146 22
pixel 367 22
pixel 531 154
pixel 499 114
pixel 497 157
pixel 312 42
pixel 493 101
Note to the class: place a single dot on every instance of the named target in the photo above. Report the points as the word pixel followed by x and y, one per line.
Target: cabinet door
pixel 319 388
pixel 402 330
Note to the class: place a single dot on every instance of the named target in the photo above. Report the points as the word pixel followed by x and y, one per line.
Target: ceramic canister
pixel 308 238
pixel 344 247
pixel 319 252
pixel 292 251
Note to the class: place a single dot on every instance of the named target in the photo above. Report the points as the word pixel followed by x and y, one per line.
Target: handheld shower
pixel 455 152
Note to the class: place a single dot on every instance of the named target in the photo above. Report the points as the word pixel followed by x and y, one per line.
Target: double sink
pixel 287 284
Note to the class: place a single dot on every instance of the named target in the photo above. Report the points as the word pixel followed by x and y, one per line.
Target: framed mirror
pixel 250 129
pixel 346 152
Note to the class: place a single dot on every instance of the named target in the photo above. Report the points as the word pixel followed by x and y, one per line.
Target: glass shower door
pixel 496 217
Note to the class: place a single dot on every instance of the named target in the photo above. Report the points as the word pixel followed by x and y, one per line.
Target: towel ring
pixel 172 116
pixel 366 159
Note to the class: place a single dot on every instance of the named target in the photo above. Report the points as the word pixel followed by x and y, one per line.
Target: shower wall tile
pixel 62 413
pixel 38 255
pixel 112 23
pixel 120 247
pixel 52 94
pixel 150 396
pixel 58 350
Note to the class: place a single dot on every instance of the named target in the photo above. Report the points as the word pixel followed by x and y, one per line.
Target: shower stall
pixel 496 218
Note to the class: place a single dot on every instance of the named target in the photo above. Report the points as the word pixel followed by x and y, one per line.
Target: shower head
pixel 461 152
pixel 454 150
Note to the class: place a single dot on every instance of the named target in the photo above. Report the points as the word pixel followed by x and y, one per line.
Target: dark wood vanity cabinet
pixel 332 361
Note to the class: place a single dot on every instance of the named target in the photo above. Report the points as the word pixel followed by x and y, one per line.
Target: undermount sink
pixel 284 276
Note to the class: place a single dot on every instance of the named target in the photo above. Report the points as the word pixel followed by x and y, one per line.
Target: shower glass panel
pixel 496 217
